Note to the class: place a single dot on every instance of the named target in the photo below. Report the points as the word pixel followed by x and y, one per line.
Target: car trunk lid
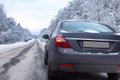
pixel 93 42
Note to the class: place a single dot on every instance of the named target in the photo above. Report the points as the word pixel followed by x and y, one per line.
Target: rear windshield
pixel 76 26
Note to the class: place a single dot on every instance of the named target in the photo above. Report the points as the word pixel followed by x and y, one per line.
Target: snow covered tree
pixel 103 11
pixel 10 31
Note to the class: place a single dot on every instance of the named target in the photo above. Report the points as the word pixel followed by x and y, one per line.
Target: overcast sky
pixel 33 14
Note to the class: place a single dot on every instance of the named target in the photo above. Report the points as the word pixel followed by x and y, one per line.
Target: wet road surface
pixel 27 63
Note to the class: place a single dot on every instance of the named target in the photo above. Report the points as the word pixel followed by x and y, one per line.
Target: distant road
pixel 26 63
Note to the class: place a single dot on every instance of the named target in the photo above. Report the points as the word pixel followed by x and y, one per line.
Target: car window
pixel 75 26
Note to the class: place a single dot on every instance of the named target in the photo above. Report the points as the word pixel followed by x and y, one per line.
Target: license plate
pixel 94 44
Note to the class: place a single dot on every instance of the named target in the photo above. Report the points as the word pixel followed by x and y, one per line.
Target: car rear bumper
pixel 85 62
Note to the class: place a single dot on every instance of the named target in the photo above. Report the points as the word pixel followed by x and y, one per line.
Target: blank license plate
pixel 93 44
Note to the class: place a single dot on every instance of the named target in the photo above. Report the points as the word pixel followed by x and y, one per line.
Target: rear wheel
pixel 113 76
pixel 46 59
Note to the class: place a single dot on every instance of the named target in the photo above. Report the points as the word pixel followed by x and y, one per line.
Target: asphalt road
pixel 26 63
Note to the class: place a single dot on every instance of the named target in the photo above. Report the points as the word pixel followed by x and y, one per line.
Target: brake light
pixel 61 42
pixel 118 66
pixel 67 65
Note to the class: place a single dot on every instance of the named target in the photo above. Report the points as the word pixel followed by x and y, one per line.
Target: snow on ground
pixel 7 47
pixel 41 45
pixel 30 67
pixel 22 69
pixel 8 52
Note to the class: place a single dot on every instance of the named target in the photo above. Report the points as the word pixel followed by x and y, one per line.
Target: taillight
pixel 67 65
pixel 61 42
pixel 118 66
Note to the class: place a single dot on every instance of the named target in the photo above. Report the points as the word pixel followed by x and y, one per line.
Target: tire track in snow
pixel 29 68
pixel 39 70
pixel 15 60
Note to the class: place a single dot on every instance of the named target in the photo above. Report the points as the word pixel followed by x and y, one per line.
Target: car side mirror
pixel 45 36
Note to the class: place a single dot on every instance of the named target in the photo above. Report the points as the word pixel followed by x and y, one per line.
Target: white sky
pixel 33 14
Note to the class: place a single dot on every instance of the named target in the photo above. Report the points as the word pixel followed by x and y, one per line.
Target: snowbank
pixel 41 45
pixel 8 47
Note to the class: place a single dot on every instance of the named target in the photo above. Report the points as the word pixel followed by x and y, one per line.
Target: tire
pixel 46 59
pixel 113 76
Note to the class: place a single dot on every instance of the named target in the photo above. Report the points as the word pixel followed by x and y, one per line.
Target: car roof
pixel 80 21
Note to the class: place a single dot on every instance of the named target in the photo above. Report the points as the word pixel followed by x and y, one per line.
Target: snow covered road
pixel 24 61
